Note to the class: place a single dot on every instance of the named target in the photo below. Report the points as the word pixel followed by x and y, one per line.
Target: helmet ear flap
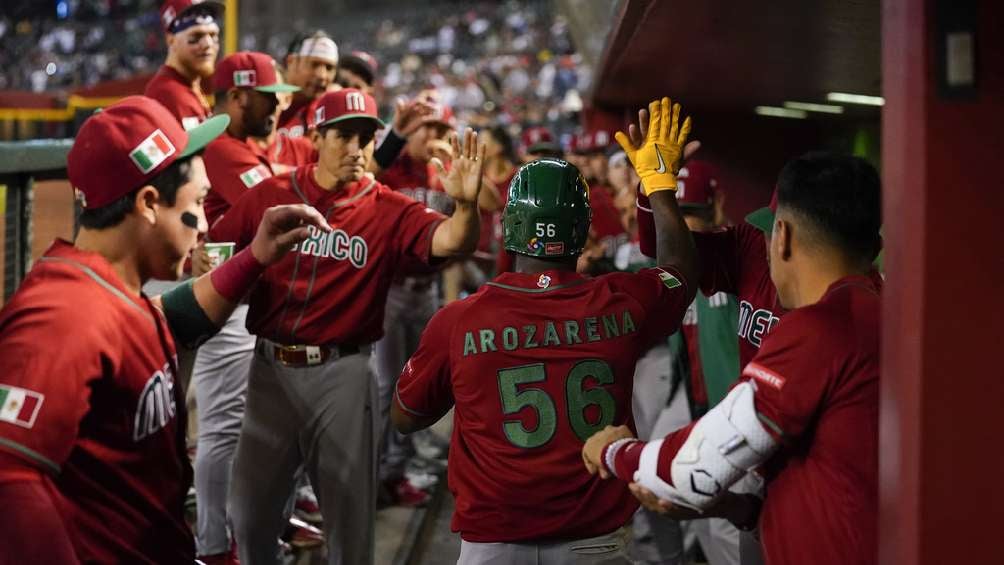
pixel 547 213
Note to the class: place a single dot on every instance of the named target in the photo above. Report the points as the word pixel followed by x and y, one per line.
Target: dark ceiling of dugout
pixel 737 54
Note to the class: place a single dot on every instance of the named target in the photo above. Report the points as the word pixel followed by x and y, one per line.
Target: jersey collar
pixel 538 282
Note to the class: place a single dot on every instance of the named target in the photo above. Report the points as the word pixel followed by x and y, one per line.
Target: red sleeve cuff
pixel 625 457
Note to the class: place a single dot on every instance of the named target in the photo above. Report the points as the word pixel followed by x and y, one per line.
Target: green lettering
pixel 628 324
pixel 488 341
pixel 551 334
pixel 530 332
pixel 509 338
pixel 592 329
pixel 572 332
pixel 469 346
pixel 610 326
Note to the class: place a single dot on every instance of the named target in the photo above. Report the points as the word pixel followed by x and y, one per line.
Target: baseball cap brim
pixel 202 134
pixel 762 219
pixel 378 121
pixel 276 88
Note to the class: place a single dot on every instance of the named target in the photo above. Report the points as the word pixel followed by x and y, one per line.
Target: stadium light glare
pixel 847 98
pixel 778 112
pixel 812 107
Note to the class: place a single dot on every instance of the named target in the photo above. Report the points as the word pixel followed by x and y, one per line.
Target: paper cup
pixel 219 252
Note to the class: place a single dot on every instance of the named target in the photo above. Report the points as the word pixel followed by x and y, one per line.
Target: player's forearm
pixel 674 244
pixel 407 423
pixel 458 234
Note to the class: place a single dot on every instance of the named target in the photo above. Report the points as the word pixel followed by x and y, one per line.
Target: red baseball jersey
pixel 293 120
pixel 233 166
pixel 419 181
pixel 292 151
pixel 536 364
pixel 175 92
pixel 332 288
pixel 816 380
pixel 734 261
pixel 97 408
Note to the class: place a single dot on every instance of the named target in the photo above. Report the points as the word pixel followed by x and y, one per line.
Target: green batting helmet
pixel 547 214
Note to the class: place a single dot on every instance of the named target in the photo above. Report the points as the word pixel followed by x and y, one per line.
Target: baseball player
pixel 540 359
pixel 538 142
pixel 805 411
pixel 311 62
pixel 246 85
pixel 413 300
pixel 357 70
pixel 92 455
pixel 311 395
pixel 193 42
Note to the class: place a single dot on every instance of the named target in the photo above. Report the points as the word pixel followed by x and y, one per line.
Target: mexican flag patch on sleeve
pixel 255 175
pixel 669 280
pixel 19 406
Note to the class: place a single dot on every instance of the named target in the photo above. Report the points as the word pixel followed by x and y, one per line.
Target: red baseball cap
pixel 249 69
pixel 538 139
pixel 696 184
pixel 442 114
pixel 173 10
pixel 345 104
pixel 122 147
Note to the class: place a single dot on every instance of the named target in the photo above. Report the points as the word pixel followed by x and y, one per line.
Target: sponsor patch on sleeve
pixel 669 280
pixel 764 375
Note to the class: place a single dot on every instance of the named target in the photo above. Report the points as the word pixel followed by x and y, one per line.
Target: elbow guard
pixel 188 322
pixel 723 446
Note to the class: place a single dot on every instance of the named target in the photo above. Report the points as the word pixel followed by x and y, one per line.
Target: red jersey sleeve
pixel 414 228
pixel 232 168
pixel 791 373
pixel 662 294
pixel 240 223
pixel 45 395
pixel 425 389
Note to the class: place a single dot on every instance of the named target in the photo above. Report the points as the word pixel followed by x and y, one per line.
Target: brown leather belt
pixel 306 355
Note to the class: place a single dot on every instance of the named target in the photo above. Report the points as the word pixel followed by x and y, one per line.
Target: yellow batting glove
pixel 657 161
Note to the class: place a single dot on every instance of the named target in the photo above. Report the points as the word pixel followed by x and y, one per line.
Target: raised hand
pixel 409 115
pixel 463 181
pixel 282 227
pixel 657 152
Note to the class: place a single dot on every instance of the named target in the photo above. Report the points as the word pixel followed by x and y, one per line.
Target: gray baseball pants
pixel 405 317
pixel 325 418
pixel 608 549
pixel 220 382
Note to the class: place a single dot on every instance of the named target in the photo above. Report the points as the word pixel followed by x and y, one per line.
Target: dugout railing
pixel 22 165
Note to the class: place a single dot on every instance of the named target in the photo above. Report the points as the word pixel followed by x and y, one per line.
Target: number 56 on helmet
pixel 547 214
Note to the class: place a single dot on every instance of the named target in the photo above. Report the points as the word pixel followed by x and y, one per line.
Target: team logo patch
pixel 355 102
pixel 556 248
pixel 319 115
pixel 153 151
pixel 19 406
pixel 669 280
pixel 544 281
pixel 255 175
pixel 764 375
pixel 534 245
pixel 245 78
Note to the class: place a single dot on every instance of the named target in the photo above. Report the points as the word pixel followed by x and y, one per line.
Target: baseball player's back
pixel 536 363
pixel 120 492
pixel 817 383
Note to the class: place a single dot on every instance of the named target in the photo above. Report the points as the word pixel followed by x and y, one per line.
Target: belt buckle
pixel 284 352
pixel 313 355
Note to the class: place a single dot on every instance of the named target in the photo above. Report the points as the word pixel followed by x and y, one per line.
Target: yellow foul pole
pixel 230 24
